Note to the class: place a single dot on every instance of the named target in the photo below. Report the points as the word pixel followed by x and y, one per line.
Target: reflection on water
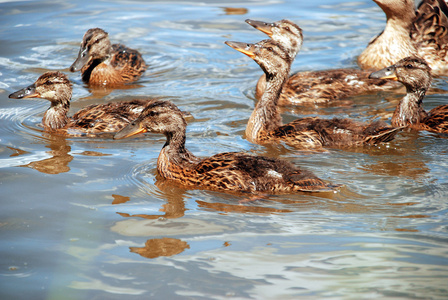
pixel 235 10
pixel 59 160
pixel 72 229
pixel 161 247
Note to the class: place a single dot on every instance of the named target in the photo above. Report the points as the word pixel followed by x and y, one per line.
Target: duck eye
pixel 287 28
pixel 270 49
pixel 409 66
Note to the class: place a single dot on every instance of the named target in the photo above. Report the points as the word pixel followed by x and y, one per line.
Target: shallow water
pixel 87 218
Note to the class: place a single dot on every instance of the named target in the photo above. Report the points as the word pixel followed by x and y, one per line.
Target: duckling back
pixel 243 172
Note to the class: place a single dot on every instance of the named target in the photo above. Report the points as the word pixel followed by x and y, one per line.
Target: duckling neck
pixel 174 156
pixel 56 116
pixel 266 116
pixel 393 44
pixel 410 111
pixel 87 69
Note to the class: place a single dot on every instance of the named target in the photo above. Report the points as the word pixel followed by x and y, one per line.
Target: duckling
pixel 410 32
pixel 313 86
pixel 230 171
pixel 104 64
pixel 91 120
pixel 265 123
pixel 415 74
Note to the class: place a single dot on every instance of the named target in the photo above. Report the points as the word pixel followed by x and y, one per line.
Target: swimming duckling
pixel 409 32
pixel 415 74
pixel 265 123
pixel 104 64
pixel 230 171
pixel 313 86
pixel 91 120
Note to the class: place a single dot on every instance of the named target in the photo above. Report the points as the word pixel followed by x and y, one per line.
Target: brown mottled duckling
pixel 313 86
pixel 231 171
pixel 91 120
pixel 415 74
pixel 265 123
pixel 409 32
pixel 104 64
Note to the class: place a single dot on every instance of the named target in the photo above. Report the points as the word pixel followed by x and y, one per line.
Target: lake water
pixel 87 218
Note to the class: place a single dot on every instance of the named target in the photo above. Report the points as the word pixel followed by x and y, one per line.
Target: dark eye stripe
pixel 89 41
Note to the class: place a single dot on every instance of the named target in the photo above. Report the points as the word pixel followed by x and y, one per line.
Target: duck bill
pixel 262 26
pixel 28 92
pixel 244 48
pixel 81 61
pixel 386 73
pixel 130 130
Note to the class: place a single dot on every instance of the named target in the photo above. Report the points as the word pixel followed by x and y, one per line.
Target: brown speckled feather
pixel 437 120
pixel 336 132
pixel 316 87
pixel 231 171
pixel 110 117
pixel 429 32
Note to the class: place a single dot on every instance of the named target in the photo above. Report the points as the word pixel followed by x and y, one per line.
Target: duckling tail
pixel 382 135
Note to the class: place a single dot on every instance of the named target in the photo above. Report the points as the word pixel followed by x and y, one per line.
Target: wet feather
pixel 230 171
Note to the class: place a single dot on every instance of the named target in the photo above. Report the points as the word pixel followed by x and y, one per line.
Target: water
pixel 88 219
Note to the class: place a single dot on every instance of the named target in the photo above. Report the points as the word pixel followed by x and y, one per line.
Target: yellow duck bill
pixel 386 73
pixel 130 130
pixel 244 48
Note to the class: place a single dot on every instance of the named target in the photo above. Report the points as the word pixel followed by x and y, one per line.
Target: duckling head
pixel 269 54
pixel 95 45
pixel 53 86
pixel 285 32
pixel 158 116
pixel 413 72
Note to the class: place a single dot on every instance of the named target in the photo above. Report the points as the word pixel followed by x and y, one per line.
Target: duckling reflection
pixel 161 247
pixel 173 208
pixel 235 10
pixel 101 91
pixel 410 33
pixel 59 162
pixel 119 199
pixel 104 64
pixel 313 86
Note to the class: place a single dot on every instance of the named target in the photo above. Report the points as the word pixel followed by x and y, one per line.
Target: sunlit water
pixel 87 218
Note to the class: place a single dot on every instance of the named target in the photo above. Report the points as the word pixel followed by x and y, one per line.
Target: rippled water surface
pixel 88 219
